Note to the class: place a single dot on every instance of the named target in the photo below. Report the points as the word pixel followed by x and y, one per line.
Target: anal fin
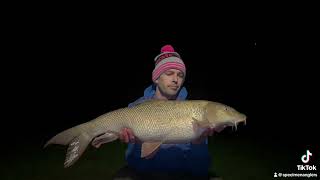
pixel 104 138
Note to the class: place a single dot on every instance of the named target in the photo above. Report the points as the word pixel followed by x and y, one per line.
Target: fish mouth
pixel 233 123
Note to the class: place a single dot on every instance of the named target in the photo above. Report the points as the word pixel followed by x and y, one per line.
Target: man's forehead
pixel 174 70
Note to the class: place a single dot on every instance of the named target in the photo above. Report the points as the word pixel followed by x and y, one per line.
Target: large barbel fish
pixel 153 122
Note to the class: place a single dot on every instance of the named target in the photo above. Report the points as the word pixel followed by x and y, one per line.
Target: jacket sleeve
pixel 198 158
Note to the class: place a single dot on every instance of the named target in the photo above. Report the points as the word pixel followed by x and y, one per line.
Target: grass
pixel 234 157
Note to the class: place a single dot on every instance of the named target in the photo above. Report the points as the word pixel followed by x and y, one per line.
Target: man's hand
pixel 127 136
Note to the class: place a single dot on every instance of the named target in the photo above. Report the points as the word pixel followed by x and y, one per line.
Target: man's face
pixel 170 82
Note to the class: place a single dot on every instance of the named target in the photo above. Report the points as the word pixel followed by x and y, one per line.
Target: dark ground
pixel 64 71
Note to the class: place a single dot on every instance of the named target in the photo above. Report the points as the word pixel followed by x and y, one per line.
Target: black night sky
pixel 64 71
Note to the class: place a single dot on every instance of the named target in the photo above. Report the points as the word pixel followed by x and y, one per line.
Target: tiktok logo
pixel 306 157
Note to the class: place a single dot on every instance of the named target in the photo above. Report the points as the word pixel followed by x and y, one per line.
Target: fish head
pixel 220 115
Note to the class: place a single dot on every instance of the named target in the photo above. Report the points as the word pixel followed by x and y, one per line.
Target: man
pixel 171 161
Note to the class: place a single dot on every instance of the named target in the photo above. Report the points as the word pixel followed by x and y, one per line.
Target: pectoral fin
pixel 201 123
pixel 149 147
pixel 220 128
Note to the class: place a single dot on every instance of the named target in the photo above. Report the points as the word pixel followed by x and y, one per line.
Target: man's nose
pixel 175 78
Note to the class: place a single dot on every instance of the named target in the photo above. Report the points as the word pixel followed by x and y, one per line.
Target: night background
pixel 64 70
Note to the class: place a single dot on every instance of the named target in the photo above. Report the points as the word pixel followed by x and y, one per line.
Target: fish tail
pixel 76 148
pixel 77 138
pixel 66 136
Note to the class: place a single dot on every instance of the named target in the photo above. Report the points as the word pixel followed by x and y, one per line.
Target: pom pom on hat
pixel 167 48
pixel 167 59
